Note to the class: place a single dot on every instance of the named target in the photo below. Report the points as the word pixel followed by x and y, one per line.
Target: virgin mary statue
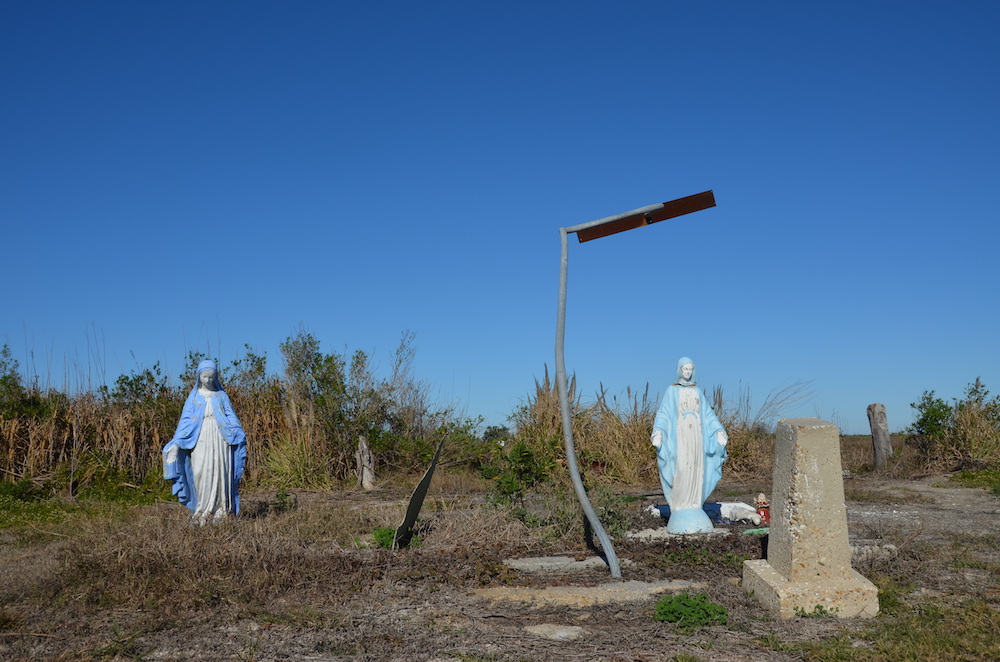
pixel 690 447
pixel 206 456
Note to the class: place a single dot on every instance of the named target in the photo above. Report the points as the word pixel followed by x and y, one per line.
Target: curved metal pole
pixel 567 422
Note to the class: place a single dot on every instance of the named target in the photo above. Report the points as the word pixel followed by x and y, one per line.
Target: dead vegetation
pixel 300 577
pixel 87 574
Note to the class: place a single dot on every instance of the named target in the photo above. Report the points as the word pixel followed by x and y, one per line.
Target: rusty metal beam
pixel 681 206
pixel 621 225
pixel 662 212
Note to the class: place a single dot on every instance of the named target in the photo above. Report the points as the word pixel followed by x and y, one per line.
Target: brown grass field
pixel 298 576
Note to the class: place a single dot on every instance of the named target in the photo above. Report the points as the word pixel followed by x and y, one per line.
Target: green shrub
pixel 965 433
pixel 282 502
pixel 521 469
pixel 23 490
pixel 933 424
pixel 690 611
pixel 385 536
pixel 611 509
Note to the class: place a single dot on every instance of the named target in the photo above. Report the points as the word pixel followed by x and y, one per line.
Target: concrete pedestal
pixel 809 556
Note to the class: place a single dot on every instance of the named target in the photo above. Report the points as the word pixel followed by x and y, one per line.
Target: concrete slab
pixel 556 632
pixel 662 534
pixel 587 596
pixel 560 563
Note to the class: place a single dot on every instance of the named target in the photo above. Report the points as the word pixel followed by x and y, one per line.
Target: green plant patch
pixel 966 631
pixel 24 502
pixel 522 469
pixel 611 509
pixel 987 479
pixel 690 611
pixel 961 431
pixel 819 611
pixel 14 512
pixel 282 502
pixel 122 646
pixel 23 490
pixel 385 537
pixel 890 596
pixel 705 557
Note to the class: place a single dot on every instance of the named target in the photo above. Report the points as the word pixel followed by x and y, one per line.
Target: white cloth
pixel 687 486
pixel 212 465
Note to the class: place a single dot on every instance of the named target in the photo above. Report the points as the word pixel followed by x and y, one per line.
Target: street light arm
pixel 643 216
pixel 615 217
pixel 585 232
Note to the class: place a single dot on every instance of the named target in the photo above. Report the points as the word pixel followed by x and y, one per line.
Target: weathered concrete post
pixel 881 441
pixel 366 470
pixel 808 562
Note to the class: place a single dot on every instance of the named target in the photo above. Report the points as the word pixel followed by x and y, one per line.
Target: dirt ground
pixel 428 603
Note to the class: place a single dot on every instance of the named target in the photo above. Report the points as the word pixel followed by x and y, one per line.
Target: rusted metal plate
pixel 672 209
pixel 621 225
pixel 681 206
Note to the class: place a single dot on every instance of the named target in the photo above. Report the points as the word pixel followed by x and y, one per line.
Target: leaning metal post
pixel 587 231
pixel 567 422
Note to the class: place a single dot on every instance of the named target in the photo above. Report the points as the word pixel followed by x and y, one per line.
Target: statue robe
pixel 189 430
pixel 680 452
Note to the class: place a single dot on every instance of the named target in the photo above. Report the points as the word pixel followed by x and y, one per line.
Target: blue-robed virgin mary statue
pixel 206 456
pixel 690 447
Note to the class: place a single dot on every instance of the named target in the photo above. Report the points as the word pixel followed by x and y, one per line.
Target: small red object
pixel 763 509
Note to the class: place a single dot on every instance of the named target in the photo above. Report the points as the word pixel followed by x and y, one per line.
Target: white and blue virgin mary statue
pixel 206 456
pixel 690 447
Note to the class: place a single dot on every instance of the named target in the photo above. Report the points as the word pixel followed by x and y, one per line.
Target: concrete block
pixel 809 557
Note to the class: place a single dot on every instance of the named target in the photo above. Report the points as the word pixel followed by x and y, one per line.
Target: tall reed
pixel 612 434
pixel 302 426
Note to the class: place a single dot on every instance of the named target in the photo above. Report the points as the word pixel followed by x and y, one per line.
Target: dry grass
pixel 612 434
pixel 298 425
pixel 977 434
pixel 83 431
pixel 310 584
pixel 616 442
pixel 857 455
pixel 457 482
pixel 539 422
pixel 173 566
pixel 751 452
pixel 741 414
pixel 448 525
pixel 154 558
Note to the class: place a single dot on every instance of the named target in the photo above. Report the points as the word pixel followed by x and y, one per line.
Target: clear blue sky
pixel 183 176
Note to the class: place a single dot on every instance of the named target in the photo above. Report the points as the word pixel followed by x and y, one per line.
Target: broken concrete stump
pixel 366 468
pixel 808 567
pixel 881 442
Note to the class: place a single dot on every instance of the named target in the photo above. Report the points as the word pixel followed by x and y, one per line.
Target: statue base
pixel 689 520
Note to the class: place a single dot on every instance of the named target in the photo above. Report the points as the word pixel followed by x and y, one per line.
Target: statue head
pixel 685 371
pixel 208 376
